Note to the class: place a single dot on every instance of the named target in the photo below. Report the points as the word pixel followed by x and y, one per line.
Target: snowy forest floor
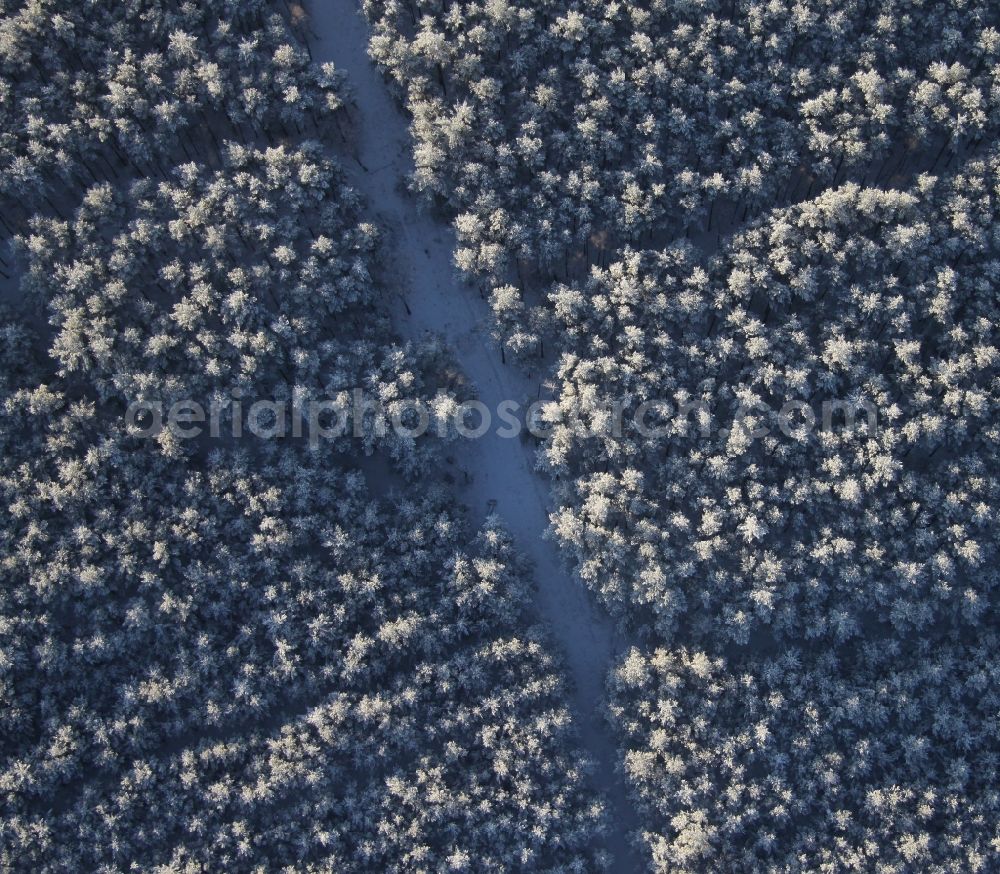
pixel 418 269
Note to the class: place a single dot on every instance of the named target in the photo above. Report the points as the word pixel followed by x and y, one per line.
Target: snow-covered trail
pixel 418 253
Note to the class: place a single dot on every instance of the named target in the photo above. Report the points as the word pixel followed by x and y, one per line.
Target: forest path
pixel 417 252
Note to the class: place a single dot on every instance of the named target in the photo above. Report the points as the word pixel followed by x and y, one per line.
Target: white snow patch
pixel 418 251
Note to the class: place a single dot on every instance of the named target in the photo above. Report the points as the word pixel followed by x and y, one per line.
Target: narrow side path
pixel 418 255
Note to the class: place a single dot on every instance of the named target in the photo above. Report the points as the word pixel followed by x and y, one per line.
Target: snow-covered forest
pixel 221 655
pixel 748 625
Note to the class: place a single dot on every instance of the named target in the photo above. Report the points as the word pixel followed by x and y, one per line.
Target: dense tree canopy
pixel 776 550
pixel 883 759
pixel 724 216
pixel 225 653
pixel 754 246
pixel 859 295
pixel 263 665
pixel 96 91
pixel 557 132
